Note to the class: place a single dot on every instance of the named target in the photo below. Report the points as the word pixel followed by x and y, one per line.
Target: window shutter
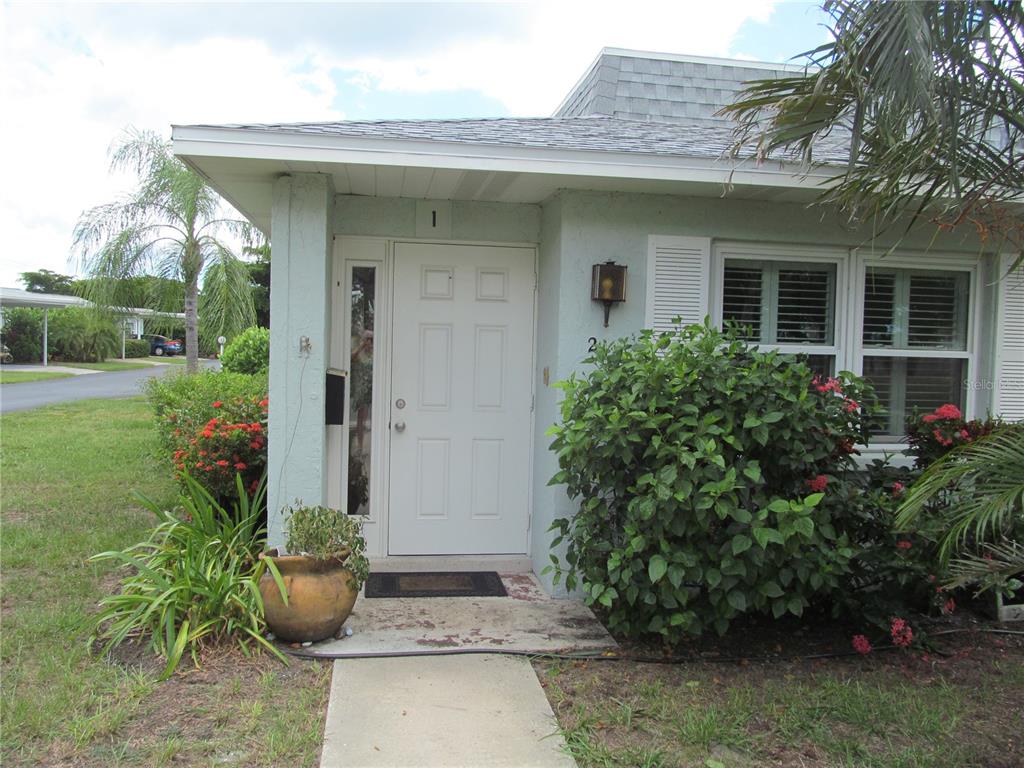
pixel 1009 383
pixel 678 281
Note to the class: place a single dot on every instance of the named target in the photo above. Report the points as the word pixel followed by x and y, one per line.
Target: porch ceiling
pixel 242 162
pixel 247 183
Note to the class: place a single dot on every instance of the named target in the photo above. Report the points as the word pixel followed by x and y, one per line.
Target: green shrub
pixel 248 352
pixel 194 582
pixel 83 335
pixel 213 425
pixel 703 470
pixel 22 332
pixel 136 348
pixel 324 533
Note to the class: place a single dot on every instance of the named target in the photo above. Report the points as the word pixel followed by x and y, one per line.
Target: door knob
pixel 400 426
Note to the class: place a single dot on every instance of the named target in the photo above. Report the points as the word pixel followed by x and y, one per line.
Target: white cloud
pixel 70 81
pixel 530 74
pixel 63 105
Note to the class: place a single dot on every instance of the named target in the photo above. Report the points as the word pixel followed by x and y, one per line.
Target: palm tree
pixel 978 490
pixel 170 227
pixel 929 95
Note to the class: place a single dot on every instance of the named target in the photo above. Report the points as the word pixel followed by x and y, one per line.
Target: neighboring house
pixel 446 266
pixel 133 318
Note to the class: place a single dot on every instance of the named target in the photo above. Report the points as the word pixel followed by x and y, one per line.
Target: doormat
pixel 443 584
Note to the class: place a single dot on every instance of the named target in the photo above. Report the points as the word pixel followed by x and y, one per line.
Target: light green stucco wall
pixel 474 221
pixel 300 273
pixel 580 229
pixel 574 230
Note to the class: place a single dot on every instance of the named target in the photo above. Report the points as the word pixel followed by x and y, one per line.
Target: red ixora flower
pixel 851 405
pixel 817 484
pixel 949 606
pixel 240 465
pixel 897 488
pixel 223 463
pixel 947 412
pixel 903 544
pixel 265 402
pixel 217 403
pixel 861 645
pixel 829 385
pixel 902 634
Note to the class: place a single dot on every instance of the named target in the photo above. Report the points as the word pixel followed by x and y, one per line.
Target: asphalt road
pixel 32 394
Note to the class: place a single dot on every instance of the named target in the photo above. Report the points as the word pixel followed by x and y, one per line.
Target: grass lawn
pixel 173 359
pixel 17 377
pixel 885 711
pixel 109 365
pixel 68 473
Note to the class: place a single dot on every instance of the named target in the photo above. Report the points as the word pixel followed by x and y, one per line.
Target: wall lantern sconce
pixel 608 285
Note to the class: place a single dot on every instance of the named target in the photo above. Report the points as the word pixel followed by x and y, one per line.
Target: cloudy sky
pixel 73 76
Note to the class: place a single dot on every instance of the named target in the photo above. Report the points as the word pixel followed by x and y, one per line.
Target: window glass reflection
pixel 361 389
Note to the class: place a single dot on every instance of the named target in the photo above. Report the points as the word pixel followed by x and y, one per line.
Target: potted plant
pixel 321 575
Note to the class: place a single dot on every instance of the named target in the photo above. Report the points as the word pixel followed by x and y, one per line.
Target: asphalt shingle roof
pixel 597 134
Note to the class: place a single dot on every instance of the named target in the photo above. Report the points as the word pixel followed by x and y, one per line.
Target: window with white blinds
pixel 790 305
pixel 781 302
pixel 914 340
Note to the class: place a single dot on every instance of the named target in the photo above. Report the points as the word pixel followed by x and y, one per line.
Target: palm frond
pixel 225 304
pixel 998 562
pixel 980 483
pixel 930 97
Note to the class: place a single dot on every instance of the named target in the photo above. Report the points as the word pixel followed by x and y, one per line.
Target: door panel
pixel 460 405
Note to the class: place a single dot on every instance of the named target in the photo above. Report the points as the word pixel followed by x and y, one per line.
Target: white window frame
pixel 756 252
pixel 930 262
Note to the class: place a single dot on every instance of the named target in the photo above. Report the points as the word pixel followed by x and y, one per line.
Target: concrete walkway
pixel 22 368
pixel 469 711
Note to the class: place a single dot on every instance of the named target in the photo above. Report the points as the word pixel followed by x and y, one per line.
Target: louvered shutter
pixel 678 280
pixel 1009 384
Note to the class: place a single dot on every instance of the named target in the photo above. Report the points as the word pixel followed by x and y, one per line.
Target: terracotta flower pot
pixel 320 597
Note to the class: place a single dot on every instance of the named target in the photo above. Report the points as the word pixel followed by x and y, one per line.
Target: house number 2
pixel 592 344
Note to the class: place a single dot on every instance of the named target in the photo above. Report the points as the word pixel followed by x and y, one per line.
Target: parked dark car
pixel 161 345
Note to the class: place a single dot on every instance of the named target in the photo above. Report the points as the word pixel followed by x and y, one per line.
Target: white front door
pixel 461 399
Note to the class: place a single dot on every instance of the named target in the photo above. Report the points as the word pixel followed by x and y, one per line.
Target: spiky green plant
pixel 170 226
pixel 978 488
pixel 195 582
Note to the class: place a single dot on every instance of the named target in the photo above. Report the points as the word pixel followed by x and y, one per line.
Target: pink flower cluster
pixel 829 385
pixel 817 484
pixel 947 412
pixel 902 634
pixel 861 645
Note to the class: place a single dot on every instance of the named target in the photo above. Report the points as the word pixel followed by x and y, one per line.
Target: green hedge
pixel 136 348
pixel 249 352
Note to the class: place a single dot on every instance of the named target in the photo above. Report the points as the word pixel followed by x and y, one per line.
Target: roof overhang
pixel 16 297
pixel 243 163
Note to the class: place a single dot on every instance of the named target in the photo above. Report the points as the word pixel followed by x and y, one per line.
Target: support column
pixel 301 244
pixel 46 331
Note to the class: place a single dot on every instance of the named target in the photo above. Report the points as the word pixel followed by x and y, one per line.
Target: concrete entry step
pixel 527 620
pixel 469 711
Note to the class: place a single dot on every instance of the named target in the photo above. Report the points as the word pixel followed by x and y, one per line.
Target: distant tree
pixel 931 95
pixel 170 226
pixel 47 281
pixel 259 277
